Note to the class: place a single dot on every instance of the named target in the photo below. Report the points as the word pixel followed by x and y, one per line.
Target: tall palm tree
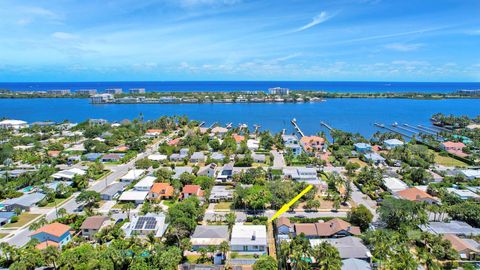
pixel 51 255
pixel 327 257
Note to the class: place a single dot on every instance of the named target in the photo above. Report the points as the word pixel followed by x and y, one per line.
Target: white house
pixel 209 170
pixel 394 184
pixel 252 145
pixel 157 157
pixel 145 184
pixel 301 174
pixel 132 175
pixel 145 225
pixel 13 124
pixel 464 194
pixel 392 143
pixel 68 174
pixel 249 239
pixel 134 196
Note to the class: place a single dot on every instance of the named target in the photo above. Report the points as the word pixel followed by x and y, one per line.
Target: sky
pixel 175 40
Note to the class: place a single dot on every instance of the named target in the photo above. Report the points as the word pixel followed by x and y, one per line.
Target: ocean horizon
pixel 231 86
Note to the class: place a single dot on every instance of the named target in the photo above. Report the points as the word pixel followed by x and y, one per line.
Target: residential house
pixel 135 196
pixel 355 264
pixel 174 142
pixel 176 157
pixel 417 195
pixel 198 157
pixel 332 228
pixel 145 184
pixel 181 170
pixel 24 202
pixel 208 170
pixel 470 174
pixel 153 133
pixel 220 131
pixel 220 193
pixel 394 185
pixel 112 157
pixel 132 175
pixel 252 144
pixel 217 156
pixel 92 156
pixel 192 190
pixel 464 194
pixel 206 236
pixel 291 142
pixel 249 239
pixel 313 143
pixel 54 234
pixel 362 147
pixel 301 174
pixel 238 138
pixel 284 226
pixel 259 158
pixel 226 173
pixel 455 148
pixel 468 249
pixel 112 191
pixel 393 143
pixel 160 191
pixel 157 157
pixel 452 227
pixel 68 174
pixel 349 247
pixel 374 158
pixel 92 225
pixel 13 124
pixel 6 216
pixel 145 225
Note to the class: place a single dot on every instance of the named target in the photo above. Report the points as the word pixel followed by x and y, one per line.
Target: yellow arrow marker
pixel 287 206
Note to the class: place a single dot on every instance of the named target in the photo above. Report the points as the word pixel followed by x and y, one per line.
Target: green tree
pixel 397 213
pixel 360 216
pixel 327 257
pixel 265 262
pixel 89 197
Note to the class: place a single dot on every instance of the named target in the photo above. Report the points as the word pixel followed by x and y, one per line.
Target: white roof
pixel 465 193
pixel 157 157
pixel 133 195
pixel 133 174
pixel 394 184
pixel 471 173
pixel 146 182
pixel 393 142
pixel 69 174
pixel 12 122
pixel 242 235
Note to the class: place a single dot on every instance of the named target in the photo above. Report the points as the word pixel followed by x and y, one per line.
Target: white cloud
pixel 320 18
pixel 64 36
pixel 403 47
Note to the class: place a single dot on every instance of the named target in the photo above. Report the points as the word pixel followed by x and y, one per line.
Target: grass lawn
pixel 358 161
pixel 194 259
pixel 448 161
pixel 223 206
pixel 245 256
pixel 52 204
pixel 169 203
pixel 23 219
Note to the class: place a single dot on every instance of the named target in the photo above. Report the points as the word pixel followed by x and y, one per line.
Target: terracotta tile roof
pixel 154 131
pixel 414 194
pixel 192 189
pixel 238 138
pixel 335 226
pixel 53 153
pixel 459 244
pixel 312 140
pixel 450 144
pixel 47 243
pixel 174 141
pixel 55 229
pixel 163 189
pixel 326 229
pixel 284 221
pixel 94 222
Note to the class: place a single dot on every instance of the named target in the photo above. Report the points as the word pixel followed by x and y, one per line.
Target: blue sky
pixel 324 40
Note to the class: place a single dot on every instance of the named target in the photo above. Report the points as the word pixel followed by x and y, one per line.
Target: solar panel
pixel 148 223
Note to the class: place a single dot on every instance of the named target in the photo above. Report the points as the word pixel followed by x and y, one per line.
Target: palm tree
pixel 51 255
pixel 224 248
pixel 327 257
pixel 62 212
pixel 127 207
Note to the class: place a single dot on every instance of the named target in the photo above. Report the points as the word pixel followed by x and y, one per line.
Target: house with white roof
pixel 68 174
pixel 392 143
pixel 291 142
pixel 249 239
pixel 470 174
pixel 301 174
pixel 394 185
pixel 252 144
pixel 145 184
pixel 198 157
pixel 132 175
pixel 134 196
pixel 157 157
pixel 13 124
pixel 464 194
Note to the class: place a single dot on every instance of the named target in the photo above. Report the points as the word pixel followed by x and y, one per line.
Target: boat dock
pixel 420 129
pixel 326 125
pixel 392 130
pixel 213 125
pixel 297 128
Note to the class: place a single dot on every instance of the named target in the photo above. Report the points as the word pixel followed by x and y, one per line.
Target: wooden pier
pixel 213 125
pixel 404 128
pixel 421 130
pixel 326 125
pixel 297 128
pixel 392 130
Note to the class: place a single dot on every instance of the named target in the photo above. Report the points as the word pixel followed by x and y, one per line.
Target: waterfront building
pixel 113 91
pixel 101 98
pixel 88 92
pixel 362 147
pixel 278 91
pixel 13 124
pixel 136 90
pixel 392 143
pixel 59 92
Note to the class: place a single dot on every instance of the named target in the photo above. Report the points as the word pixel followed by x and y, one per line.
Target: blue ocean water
pixel 355 115
pixel 436 87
